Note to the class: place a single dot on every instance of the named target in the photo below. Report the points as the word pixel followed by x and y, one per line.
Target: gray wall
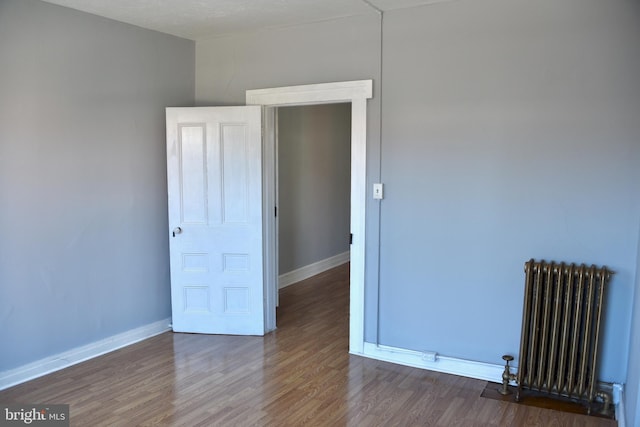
pixel 314 183
pixel 509 130
pixel 84 248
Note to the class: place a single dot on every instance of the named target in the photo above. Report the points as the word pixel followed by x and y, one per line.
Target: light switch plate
pixel 378 191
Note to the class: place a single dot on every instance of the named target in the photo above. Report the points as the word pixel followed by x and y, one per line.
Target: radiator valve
pixel 506 375
pixel 606 403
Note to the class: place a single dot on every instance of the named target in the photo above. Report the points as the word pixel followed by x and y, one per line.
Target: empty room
pixel 320 212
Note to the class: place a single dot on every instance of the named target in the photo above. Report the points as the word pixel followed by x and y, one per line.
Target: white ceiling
pixel 196 19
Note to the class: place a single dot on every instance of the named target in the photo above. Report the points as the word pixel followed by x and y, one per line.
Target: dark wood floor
pixel 299 375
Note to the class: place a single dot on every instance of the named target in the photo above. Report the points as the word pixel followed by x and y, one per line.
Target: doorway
pixel 356 93
pixel 313 189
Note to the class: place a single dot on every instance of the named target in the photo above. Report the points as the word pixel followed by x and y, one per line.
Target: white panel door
pixel 214 173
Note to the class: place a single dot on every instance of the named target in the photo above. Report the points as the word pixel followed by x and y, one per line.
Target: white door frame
pixel 357 93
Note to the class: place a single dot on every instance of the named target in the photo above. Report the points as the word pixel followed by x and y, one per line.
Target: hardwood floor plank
pixel 299 375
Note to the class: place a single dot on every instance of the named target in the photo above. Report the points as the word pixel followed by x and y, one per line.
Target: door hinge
pixel 275 209
pixel 351 238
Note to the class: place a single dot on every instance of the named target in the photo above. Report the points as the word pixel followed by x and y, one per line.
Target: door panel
pixel 214 173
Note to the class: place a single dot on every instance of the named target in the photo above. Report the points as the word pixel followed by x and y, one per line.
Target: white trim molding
pixel 466 368
pixel 357 93
pixel 311 270
pixel 434 362
pixel 311 94
pixel 80 354
pixel 618 401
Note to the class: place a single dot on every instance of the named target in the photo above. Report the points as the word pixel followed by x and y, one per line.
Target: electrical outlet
pixel 429 356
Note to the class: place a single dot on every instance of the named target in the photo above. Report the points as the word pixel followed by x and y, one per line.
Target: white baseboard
pixel 448 365
pixel 80 354
pixel 618 400
pixel 310 270
pixel 464 368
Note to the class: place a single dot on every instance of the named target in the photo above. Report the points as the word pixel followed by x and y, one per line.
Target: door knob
pixel 177 230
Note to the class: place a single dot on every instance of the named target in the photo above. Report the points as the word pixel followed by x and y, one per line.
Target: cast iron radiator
pixel 561 319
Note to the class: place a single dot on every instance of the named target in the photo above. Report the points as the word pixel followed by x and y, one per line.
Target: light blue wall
pixel 510 131
pixel 314 155
pixel 84 247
